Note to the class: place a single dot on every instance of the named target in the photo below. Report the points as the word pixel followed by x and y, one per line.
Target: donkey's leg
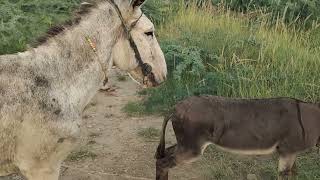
pixel 175 156
pixel 318 145
pixel 294 169
pixel 163 165
pixel 170 150
pixel 286 163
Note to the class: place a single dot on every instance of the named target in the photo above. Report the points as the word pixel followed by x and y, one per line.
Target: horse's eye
pixel 149 33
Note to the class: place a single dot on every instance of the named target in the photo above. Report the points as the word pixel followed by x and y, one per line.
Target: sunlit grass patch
pixel 81 154
pixel 134 109
pixel 219 52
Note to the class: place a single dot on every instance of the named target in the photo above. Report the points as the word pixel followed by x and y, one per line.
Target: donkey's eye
pixel 149 33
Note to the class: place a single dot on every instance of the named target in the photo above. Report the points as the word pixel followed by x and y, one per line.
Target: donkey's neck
pixel 70 63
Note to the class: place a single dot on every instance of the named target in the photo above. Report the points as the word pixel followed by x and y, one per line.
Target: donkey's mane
pixel 84 9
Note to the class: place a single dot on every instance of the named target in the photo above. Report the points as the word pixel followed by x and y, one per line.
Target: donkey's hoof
pixel 287 175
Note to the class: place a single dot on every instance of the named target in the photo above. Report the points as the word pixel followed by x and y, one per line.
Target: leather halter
pixel 145 67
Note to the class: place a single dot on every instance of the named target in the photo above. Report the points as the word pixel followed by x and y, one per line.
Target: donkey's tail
pixel 162 145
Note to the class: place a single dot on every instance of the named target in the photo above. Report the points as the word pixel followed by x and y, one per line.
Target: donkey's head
pixel 137 50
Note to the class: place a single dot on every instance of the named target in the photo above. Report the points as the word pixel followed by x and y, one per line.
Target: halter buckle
pixel 146 69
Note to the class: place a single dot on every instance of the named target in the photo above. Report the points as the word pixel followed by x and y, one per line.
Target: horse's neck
pixel 72 65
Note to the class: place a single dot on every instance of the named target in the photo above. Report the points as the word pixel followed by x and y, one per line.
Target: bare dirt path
pixel 111 148
pixel 110 140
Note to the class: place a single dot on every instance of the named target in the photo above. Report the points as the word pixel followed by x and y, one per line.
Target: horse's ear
pixel 137 3
pixel 85 7
pixel 86 4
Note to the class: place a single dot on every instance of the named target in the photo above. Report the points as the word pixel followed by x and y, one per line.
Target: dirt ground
pixel 111 148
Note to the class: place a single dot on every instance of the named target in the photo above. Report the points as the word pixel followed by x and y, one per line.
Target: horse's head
pixel 137 50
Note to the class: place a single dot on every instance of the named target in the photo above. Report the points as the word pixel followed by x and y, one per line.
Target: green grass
pixel 22 21
pixel 227 54
pixel 81 155
pixel 217 164
pixel 122 78
pixel 134 109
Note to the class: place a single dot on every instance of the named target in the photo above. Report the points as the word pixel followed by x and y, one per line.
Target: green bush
pixel 21 21
pixel 303 12
pixel 227 54
pixel 157 11
pixel 223 54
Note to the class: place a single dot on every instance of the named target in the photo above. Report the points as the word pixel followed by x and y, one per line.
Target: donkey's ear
pixel 137 3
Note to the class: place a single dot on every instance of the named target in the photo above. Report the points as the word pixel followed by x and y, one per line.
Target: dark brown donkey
pixel 251 127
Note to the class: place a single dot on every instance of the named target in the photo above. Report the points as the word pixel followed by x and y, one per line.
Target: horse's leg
pixel 44 172
pixel 286 163
pixel 47 167
pixel 40 150
pixel 7 168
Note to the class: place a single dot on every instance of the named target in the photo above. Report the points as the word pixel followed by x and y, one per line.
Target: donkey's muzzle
pixel 161 174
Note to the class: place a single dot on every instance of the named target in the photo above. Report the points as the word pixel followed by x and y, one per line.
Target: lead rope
pixel 104 70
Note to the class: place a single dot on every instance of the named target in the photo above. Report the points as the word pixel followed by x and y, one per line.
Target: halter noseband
pixel 145 67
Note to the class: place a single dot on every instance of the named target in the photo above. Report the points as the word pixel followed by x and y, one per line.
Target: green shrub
pixel 21 22
pixel 157 10
pixel 303 12
pixel 223 54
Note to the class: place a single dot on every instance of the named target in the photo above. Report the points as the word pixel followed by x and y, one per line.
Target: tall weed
pixel 218 52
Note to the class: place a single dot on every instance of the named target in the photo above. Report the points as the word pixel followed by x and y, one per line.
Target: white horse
pixel 44 90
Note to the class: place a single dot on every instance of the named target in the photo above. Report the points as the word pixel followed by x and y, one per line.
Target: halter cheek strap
pixel 145 67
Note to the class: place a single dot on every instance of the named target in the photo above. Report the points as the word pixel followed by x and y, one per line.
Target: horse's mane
pixel 84 9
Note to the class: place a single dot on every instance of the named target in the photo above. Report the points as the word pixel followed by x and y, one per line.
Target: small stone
pixel 252 177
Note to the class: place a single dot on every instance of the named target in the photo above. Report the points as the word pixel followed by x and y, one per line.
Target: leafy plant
pixel 223 54
pixel 21 22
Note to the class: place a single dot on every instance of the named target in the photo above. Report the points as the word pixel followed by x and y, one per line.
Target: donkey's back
pixel 243 126
pixel 256 124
